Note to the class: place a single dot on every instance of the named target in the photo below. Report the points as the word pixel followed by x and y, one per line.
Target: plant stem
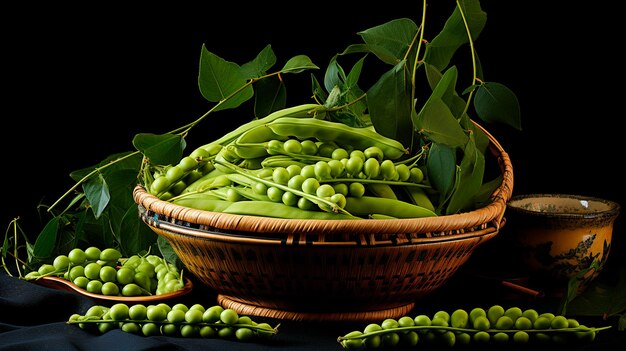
pixel 473 53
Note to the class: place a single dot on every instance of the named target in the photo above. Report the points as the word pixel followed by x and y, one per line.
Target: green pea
pixel 572 323
pixel 481 323
pixel 389 323
pixel 521 337
pixel 390 339
pixel 494 312
pixel 260 188
pixel 459 318
pixel 388 170
pixel 531 314
pixel 341 188
pixel 339 154
pixel 587 335
pixel 500 337
pixel 322 170
pixel 422 321
pixel 371 168
pixel 448 339
pixel 308 147
pixel 208 332
pixel 374 152
pixel 292 146
pixel 280 175
pixel 245 320
pixel 290 199
pixel 325 190
pixel 131 327
pixel 119 311
pixel 106 327
pixel 325 149
pixel 61 262
pixel 94 286
pixel 439 322
pixel 170 329
pixel 523 323
pixel 306 204
pixel 372 341
pixel 46 269
pixel 354 165
pixel 138 312
pixel 406 321
pixel 310 185
pixel 403 171
pixel 504 322
pixel 476 312
pixel 189 331
pixel 417 175
pixel 156 313
pixel 77 271
pixel 308 171
pixel 275 194
pixel 176 316
pixel 463 338
pixel 336 168
pixel 482 337
pixel 110 289
pixel 559 322
pixel 356 189
pixel 81 282
pixel 293 170
pixel 513 312
pixel 542 323
pixel 229 316
pixel 193 316
pixel 542 337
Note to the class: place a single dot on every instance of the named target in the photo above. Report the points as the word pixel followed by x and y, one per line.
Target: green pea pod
pixel 366 205
pixel 381 190
pixel 203 202
pixel 280 161
pixel 419 197
pixel 299 111
pixel 323 130
pixel 205 179
pixel 280 210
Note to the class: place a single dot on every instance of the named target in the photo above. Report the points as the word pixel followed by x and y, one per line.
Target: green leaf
pixel 390 41
pixel 436 121
pixel 47 239
pixel 601 298
pixel 97 193
pixel 445 89
pixel 334 76
pixel 135 235
pixel 483 197
pixel 161 149
pixel 495 103
pixel 114 163
pixel 472 170
pixel 441 49
pixel 218 79
pixel 441 168
pixel 355 73
pixel 271 95
pixel 480 137
pixel 318 90
pixel 298 64
pixel 389 104
pixel 382 53
pixel 260 65
pixel 167 252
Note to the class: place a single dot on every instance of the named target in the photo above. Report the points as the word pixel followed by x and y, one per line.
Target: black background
pixel 79 83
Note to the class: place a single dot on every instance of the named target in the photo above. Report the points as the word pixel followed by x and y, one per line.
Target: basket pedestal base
pixel 244 308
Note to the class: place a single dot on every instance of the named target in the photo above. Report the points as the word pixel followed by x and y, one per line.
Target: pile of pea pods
pixel 290 164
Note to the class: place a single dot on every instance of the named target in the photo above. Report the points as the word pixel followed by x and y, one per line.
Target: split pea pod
pixel 203 202
pixel 299 111
pixel 323 130
pixel 280 210
pixel 366 205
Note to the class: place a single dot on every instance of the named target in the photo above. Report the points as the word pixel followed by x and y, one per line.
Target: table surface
pixel 32 317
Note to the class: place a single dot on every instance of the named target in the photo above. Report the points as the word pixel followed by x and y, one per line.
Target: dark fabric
pixel 33 317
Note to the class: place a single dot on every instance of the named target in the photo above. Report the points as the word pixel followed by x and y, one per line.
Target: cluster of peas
pixel 177 320
pixel 303 163
pixel 479 326
pixel 105 272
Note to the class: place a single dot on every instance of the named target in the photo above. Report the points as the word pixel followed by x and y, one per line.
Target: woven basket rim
pixel 493 213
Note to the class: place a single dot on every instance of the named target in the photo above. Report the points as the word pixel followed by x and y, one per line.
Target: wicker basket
pixel 321 270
